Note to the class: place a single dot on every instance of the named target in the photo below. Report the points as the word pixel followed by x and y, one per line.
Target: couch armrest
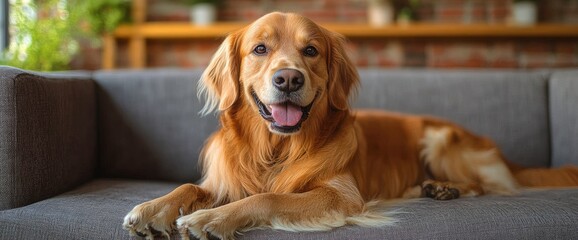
pixel 564 117
pixel 47 134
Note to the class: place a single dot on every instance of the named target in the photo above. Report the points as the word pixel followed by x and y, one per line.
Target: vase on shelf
pixel 380 12
pixel 524 12
pixel 203 12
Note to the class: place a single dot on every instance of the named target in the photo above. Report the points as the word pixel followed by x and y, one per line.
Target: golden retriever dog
pixel 292 155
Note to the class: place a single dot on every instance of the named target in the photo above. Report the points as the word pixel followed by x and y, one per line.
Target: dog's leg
pixel 464 162
pixel 157 217
pixel 324 207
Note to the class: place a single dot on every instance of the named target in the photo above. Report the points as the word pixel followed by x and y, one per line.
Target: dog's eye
pixel 310 51
pixel 260 49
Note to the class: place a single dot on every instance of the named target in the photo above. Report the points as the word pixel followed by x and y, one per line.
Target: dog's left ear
pixel 219 84
pixel 343 77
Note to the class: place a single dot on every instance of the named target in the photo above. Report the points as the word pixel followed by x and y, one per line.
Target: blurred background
pixel 80 34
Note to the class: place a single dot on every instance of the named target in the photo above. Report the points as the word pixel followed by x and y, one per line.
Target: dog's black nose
pixel 288 80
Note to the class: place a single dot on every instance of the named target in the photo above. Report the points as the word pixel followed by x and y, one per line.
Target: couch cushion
pixel 564 115
pixel 531 215
pixel 96 211
pixel 511 107
pixel 149 124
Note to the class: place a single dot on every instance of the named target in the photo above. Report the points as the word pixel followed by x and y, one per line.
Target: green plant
pixel 44 33
pixel 103 16
pixel 408 9
pixel 42 38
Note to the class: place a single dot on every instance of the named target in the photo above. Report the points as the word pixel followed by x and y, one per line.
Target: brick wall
pixel 433 53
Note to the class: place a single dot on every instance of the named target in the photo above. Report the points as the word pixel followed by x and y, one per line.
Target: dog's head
pixel 286 67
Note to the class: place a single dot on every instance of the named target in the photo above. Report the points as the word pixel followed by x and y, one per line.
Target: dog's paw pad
pixel 440 191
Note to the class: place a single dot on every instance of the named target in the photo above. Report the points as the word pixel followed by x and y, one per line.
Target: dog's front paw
pixel 202 223
pixel 150 219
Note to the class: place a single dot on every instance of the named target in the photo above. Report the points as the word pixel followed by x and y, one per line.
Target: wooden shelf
pixel 163 30
pixel 140 31
pixel 168 30
pixel 453 30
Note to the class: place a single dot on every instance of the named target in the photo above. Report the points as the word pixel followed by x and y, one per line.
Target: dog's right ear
pixel 343 77
pixel 219 84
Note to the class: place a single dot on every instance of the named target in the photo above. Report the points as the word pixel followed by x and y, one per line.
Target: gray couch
pixel 78 150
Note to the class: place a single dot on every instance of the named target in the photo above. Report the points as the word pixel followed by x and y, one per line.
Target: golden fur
pixel 324 171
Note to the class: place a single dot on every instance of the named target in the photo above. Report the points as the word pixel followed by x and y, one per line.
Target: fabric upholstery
pixel 96 210
pixel 47 134
pixel 510 107
pixel 145 125
pixel 150 127
pixel 564 114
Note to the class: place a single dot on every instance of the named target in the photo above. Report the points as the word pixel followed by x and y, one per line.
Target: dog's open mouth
pixel 285 117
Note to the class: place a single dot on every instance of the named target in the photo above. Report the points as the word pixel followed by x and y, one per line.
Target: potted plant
pixel 407 13
pixel 203 12
pixel 524 12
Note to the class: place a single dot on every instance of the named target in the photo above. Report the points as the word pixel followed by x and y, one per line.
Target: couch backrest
pixel 511 107
pixel 149 126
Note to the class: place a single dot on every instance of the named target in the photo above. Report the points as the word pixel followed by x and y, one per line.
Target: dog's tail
pixel 566 176
pixel 376 213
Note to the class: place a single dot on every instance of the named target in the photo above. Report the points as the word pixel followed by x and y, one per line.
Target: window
pixel 3 24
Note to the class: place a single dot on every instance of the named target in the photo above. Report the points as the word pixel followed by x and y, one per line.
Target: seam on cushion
pixel 97 114
pixel 14 143
pixel 548 78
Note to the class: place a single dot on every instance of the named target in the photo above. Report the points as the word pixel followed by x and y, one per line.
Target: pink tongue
pixel 286 114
